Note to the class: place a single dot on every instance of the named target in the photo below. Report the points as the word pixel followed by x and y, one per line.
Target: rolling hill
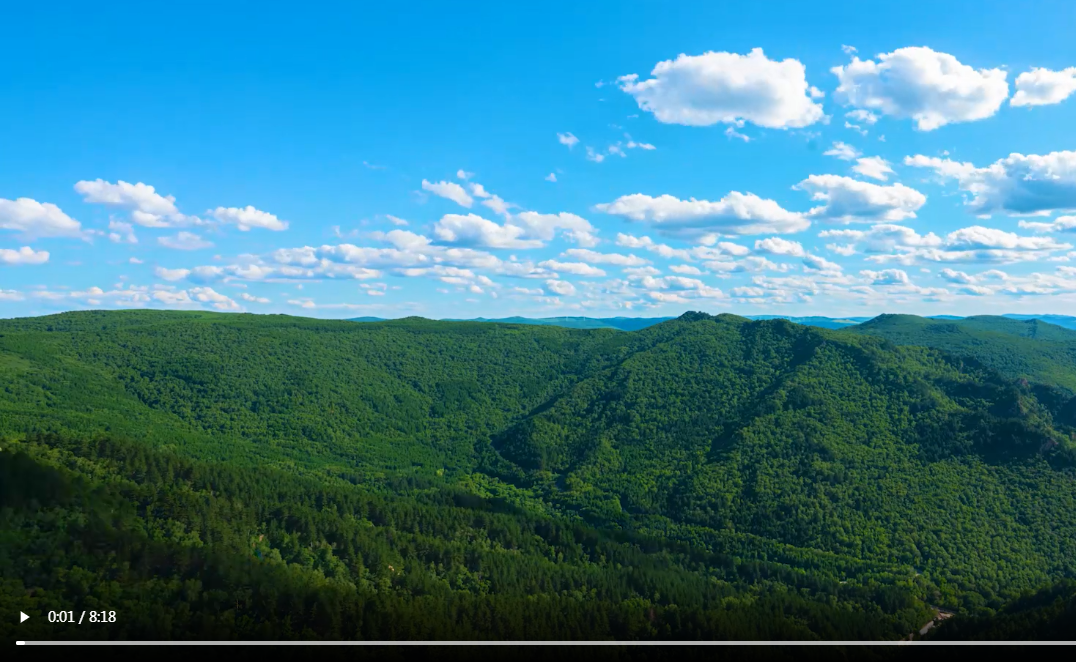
pixel 679 480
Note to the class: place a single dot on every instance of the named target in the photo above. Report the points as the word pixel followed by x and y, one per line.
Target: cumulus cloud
pixel 864 116
pixel 887 277
pixel 208 295
pixel 779 246
pixel 736 213
pixel 685 270
pixel 918 83
pixel 1041 87
pixel 1059 224
pixel 24 255
pixel 544 226
pixel 184 241
pixel 477 231
pixel 148 207
pixel 1016 184
pixel 842 151
pixel 594 257
pixel 450 191
pixel 171 274
pixel 35 219
pixel 993 282
pixel 895 243
pixel 253 299
pixel 849 200
pixel 248 217
pixel 575 268
pixel 560 287
pixel 664 250
pixel 874 167
pixel 727 88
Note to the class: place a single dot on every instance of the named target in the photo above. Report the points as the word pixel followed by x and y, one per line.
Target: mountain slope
pixel 819 440
pixel 782 450
pixel 1037 351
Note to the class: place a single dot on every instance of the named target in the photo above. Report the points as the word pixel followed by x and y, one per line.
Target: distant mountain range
pixel 636 323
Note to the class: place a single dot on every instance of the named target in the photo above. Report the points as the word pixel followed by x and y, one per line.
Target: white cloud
pixel 842 151
pixel 874 167
pixel 253 299
pixel 477 231
pixel 122 233
pixel 463 174
pixel 24 255
pixel 1059 224
pixel 248 217
pixel 594 156
pixel 720 87
pixel 135 260
pixel 560 287
pixel 208 295
pixel 864 116
pixel 1017 184
pixel 171 274
pixel 817 263
pixel 544 226
pixel 551 177
pixel 171 298
pixel 894 243
pixel 855 127
pixel 932 88
pixel 140 197
pixel 685 270
pixel 184 241
pixel 567 139
pixel 887 277
pixel 1040 87
pixel 594 257
pixel 11 295
pixel 731 133
pixel 842 249
pixel 450 191
pixel 848 50
pixel 631 144
pixel 395 220
pixel 664 250
pixel 779 246
pixel 736 213
pixel 575 268
pixel 35 219
pixel 850 201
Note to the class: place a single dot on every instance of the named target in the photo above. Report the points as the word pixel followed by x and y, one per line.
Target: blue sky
pixel 337 160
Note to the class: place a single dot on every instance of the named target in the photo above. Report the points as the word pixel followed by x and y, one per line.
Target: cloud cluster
pixel 918 83
pixel 33 219
pixel 1040 87
pixel 728 88
pixel 899 244
pixel 1016 184
pixel 848 200
pixel 735 214
pixel 24 255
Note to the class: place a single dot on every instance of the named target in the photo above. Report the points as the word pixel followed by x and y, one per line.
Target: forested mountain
pixel 253 476
pixel 1033 350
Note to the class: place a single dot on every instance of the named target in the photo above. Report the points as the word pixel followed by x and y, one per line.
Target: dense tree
pixel 209 475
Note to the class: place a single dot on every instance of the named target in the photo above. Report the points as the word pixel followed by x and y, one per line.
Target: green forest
pixel 233 476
